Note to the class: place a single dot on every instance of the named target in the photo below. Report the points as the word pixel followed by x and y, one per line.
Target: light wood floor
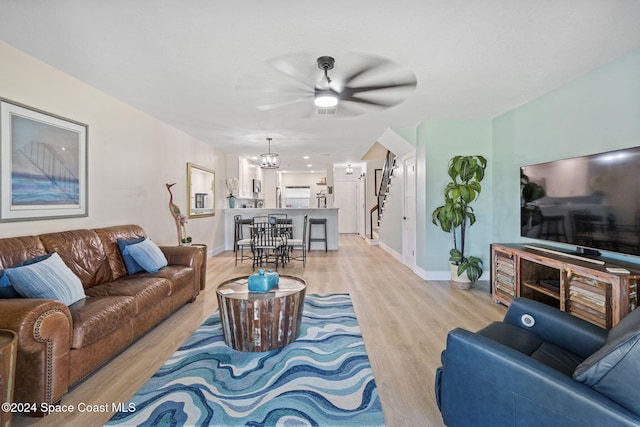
pixel 404 322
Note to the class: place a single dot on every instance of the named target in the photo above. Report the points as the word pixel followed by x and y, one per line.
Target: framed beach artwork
pixel 43 165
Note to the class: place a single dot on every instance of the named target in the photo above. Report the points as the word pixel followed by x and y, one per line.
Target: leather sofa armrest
pixel 44 330
pixel 182 255
pixel 189 256
pixel 557 327
pixel 484 382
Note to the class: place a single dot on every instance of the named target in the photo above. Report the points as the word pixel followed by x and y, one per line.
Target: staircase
pixel 377 212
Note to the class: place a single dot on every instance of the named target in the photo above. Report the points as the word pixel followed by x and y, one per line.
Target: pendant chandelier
pixel 269 160
pixel 349 170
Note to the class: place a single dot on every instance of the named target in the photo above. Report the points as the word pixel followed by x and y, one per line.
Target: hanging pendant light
pixel 348 170
pixel 269 160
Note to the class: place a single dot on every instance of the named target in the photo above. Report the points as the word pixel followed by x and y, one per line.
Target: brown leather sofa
pixel 58 345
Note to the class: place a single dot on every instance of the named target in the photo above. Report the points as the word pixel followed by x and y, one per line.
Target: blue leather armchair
pixel 541 367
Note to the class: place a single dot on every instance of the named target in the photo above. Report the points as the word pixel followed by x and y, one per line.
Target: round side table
pixel 261 321
pixel 203 275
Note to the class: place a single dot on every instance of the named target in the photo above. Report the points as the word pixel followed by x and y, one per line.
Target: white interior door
pixel 347 202
pixel 409 211
pixel 362 207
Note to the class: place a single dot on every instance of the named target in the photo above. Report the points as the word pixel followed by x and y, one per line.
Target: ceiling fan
pixel 299 86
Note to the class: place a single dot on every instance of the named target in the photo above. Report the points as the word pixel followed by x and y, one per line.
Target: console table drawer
pixel 504 277
pixel 589 299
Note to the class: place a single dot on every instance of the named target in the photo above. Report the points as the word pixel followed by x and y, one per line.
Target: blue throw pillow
pixel 131 265
pixel 6 289
pixel 48 279
pixel 148 255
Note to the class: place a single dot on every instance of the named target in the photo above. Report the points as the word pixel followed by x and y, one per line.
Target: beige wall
pixel 131 156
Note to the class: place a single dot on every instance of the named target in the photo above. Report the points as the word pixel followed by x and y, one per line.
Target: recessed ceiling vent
pixel 326 111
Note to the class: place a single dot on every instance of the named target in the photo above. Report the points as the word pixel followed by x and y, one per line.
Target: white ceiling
pixel 181 60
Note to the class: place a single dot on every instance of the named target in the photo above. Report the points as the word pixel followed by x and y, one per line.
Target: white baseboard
pixel 438 275
pixel 424 274
pixel 393 253
pixel 420 272
pixel 442 275
pixel 215 251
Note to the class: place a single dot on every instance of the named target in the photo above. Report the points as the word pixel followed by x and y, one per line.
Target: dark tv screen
pixel 590 201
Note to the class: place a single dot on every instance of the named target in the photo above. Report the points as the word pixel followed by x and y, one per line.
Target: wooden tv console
pixel 581 286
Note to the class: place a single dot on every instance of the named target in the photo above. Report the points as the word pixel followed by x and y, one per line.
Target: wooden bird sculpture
pixel 175 212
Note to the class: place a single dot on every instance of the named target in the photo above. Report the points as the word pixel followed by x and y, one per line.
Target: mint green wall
pixel 408 133
pixel 598 112
pixel 437 142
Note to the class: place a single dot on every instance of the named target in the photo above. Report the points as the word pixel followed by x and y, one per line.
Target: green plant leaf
pixel 465 193
pixel 471 217
pixel 455 256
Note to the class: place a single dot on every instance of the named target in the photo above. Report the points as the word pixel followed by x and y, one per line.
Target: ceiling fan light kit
pixel 269 160
pixel 325 100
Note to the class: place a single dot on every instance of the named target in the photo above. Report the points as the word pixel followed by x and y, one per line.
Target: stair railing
pixel 387 173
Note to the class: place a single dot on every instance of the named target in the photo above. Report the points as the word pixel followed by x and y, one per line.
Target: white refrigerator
pixel 297 197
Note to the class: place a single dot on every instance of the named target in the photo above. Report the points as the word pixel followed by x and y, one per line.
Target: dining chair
pixel 281 221
pixel 267 244
pixel 298 244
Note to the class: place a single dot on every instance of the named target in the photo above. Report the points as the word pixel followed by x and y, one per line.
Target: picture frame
pixel 201 185
pixel 43 164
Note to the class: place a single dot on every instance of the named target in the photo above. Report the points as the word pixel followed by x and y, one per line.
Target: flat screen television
pixel 592 202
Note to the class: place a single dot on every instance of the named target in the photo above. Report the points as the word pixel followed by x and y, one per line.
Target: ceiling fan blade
pixel 285 65
pixel 372 64
pixel 355 90
pixel 274 90
pixel 368 101
pixel 267 107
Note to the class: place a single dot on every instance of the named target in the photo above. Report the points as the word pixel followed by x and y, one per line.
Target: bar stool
pixel 317 221
pixel 240 243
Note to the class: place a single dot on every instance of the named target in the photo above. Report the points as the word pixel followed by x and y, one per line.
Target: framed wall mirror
pixel 201 184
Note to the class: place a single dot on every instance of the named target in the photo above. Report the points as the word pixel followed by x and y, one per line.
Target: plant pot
pixel 232 202
pixel 459 282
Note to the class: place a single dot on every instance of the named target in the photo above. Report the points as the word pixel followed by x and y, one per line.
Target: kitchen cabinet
pixel 246 171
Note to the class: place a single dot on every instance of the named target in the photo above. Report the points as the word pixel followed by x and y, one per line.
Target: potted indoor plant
pixel 456 215
pixel 232 186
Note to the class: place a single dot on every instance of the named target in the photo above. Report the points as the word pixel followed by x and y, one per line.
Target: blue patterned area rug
pixel 322 379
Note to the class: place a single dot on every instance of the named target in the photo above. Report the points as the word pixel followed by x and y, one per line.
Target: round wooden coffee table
pixel 261 321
